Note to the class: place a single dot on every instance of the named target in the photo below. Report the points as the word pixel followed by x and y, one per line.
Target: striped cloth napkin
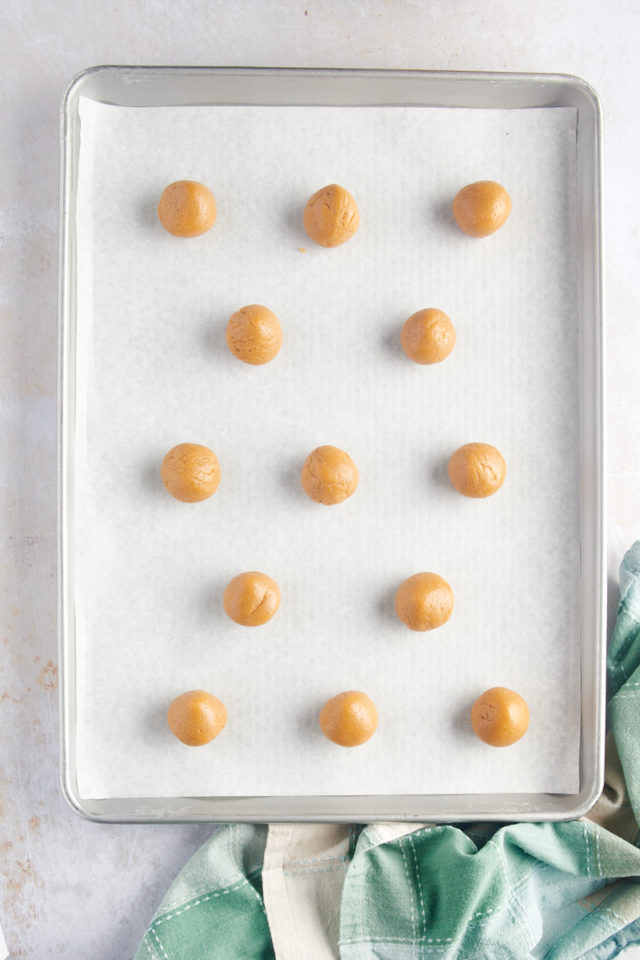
pixel 418 892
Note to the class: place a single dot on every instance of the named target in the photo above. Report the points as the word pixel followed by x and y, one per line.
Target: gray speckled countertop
pixel 80 890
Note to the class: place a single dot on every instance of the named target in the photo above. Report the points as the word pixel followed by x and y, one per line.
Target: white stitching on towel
pixel 152 953
pixel 154 934
pixel 196 903
pixel 419 886
pixel 223 882
pixel 437 941
pixel 486 919
pixel 406 867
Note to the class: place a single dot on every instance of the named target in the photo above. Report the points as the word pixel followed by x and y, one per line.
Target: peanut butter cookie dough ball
pixel 254 335
pixel 187 208
pixel 251 598
pixel 481 208
pixel 500 717
pixel 331 216
pixel 428 336
pixel 196 717
pixel 190 472
pixel 329 475
pixel 349 719
pixel 424 601
pixel 477 470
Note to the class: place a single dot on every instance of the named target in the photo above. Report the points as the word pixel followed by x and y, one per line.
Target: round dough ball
pixel 424 601
pixel 331 216
pixel 477 470
pixel 196 717
pixel 428 336
pixel 329 475
pixel 251 598
pixel 500 717
pixel 190 472
pixel 349 719
pixel 187 208
pixel 254 335
pixel 481 208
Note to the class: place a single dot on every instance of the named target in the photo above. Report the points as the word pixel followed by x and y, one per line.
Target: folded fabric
pixel 407 892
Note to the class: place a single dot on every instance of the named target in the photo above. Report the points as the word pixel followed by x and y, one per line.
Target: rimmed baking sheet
pixel 145 314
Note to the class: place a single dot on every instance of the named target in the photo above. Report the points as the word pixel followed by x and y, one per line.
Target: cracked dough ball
pixel 196 717
pixel 331 216
pixel 329 475
pixel 254 335
pixel 500 717
pixel 349 719
pixel 481 208
pixel 477 470
pixel 190 472
pixel 251 598
pixel 428 336
pixel 187 208
pixel 424 601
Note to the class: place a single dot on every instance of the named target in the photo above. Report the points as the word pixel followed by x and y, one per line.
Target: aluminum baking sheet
pixel 145 574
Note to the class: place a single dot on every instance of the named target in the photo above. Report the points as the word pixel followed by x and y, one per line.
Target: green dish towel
pixel 399 892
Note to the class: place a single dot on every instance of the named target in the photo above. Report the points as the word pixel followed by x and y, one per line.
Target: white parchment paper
pixel 154 370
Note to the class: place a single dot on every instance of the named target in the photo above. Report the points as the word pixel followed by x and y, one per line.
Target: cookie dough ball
pixel 424 601
pixel 500 717
pixel 251 598
pixel 187 208
pixel 428 336
pixel 196 717
pixel 477 470
pixel 254 335
pixel 329 475
pixel 190 472
pixel 349 719
pixel 331 216
pixel 481 208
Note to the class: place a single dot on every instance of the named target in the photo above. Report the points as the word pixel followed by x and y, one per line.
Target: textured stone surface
pixel 73 889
